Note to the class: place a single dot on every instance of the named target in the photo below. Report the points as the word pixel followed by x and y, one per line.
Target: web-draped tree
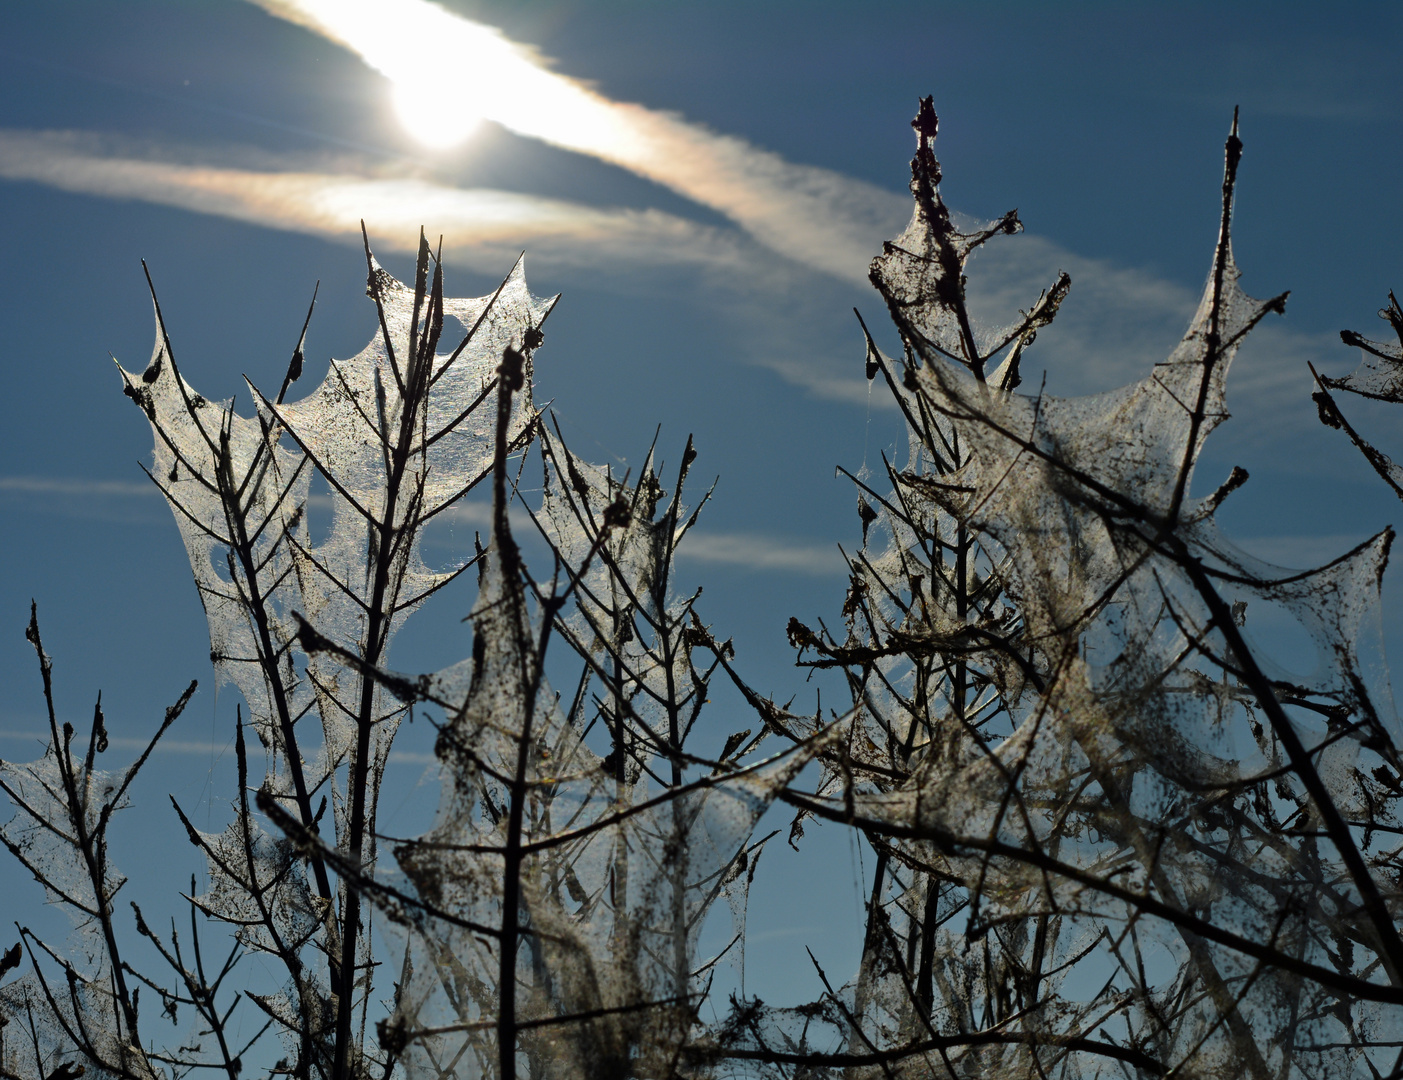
pixel 553 912
pixel 1112 835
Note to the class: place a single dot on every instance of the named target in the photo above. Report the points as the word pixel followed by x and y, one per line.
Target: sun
pixel 447 74
pixel 438 116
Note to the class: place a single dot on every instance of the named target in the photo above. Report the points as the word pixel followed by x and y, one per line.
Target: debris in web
pixel 1076 765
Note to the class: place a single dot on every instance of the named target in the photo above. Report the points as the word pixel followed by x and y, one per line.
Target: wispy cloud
pixel 1115 325
pixel 486 228
pixel 1117 322
pixel 131 502
pixel 1299 552
pixel 748 550
pixel 39 739
pixel 59 485
pixel 820 218
pixel 762 553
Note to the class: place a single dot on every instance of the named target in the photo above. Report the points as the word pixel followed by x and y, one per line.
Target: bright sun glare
pixel 436 115
pixel 448 74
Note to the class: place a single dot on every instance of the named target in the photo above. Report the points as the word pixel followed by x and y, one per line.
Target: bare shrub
pixel 1113 836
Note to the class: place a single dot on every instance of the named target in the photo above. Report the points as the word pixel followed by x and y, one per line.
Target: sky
pixel 704 184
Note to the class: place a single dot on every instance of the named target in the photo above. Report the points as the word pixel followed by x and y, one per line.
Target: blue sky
pixel 708 271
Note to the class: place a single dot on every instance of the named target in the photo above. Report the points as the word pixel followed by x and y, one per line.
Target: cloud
pixel 1116 323
pixel 485 228
pixel 747 550
pixel 762 553
pixel 784 314
pixel 819 218
pixel 56 485
pixel 132 502
pixel 1299 551
pixel 40 739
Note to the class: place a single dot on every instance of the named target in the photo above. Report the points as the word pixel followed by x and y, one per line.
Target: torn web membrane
pixel 1378 376
pixel 86 1018
pixel 610 860
pixel 1112 833
pixel 44 1017
pixel 550 920
pixel 1380 371
pixel 398 433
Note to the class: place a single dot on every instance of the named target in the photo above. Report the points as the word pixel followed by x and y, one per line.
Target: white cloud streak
pixel 485 228
pixel 746 550
pixel 1299 551
pixel 750 551
pixel 762 553
pixel 57 485
pixel 820 218
pixel 40 739
pixel 1116 322
pixel 126 501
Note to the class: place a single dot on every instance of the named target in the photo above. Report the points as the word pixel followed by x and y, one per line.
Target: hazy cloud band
pixel 820 218
pixel 485 228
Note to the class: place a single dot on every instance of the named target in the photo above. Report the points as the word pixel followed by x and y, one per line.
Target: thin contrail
pixel 483 227
pixel 41 739
pixel 443 62
pixel 1121 319
pixel 63 485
